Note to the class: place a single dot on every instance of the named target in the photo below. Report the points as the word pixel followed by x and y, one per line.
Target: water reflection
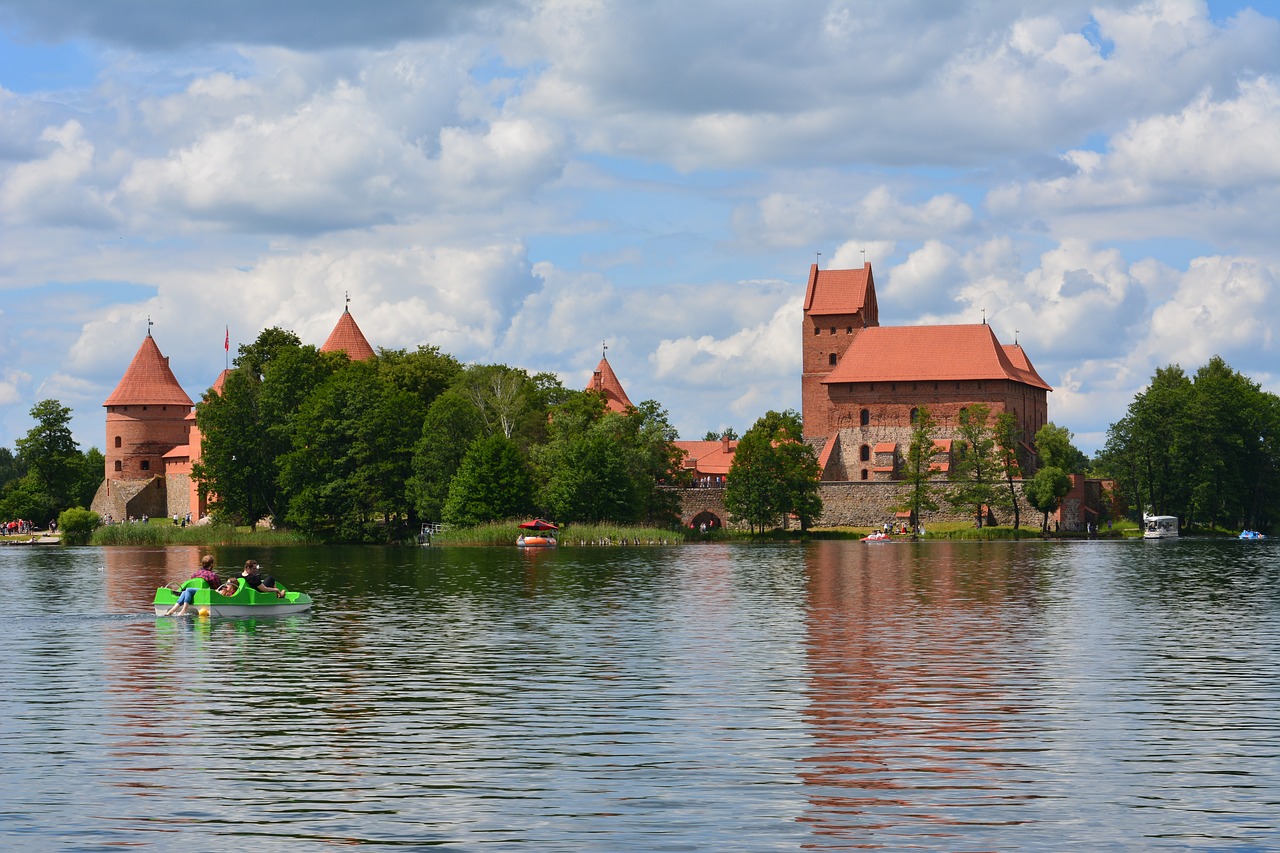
pixel 948 696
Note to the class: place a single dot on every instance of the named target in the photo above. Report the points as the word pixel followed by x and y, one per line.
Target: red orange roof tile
pixel 931 353
pixel 708 457
pixel 605 381
pixel 347 337
pixel 841 292
pixel 148 381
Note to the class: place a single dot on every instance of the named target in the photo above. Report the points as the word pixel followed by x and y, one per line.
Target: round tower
pixel 146 416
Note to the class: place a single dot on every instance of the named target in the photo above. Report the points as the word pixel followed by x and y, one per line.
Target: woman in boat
pixel 254 580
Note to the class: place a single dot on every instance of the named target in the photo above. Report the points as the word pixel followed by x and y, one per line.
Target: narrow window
pixel 849 331
pixel 146 464
pixel 831 359
pixel 864 473
pixel 816 330
pixel 119 467
pixel 864 453
pixel 915 415
pixel 833 330
pixel 117 441
pixel 864 417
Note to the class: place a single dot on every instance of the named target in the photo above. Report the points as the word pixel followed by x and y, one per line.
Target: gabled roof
pixel 148 381
pixel 347 337
pixel 708 457
pixel 605 381
pixel 842 292
pixel 932 353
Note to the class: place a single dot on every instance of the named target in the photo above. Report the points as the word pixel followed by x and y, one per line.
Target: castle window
pixel 144 408
pixel 935 386
pixel 864 418
pixel 119 466
pixel 146 464
pixel 816 330
pixel 831 359
pixel 915 415
pixel 117 441
pixel 833 330
pixel 864 473
pixel 864 453
pixel 849 331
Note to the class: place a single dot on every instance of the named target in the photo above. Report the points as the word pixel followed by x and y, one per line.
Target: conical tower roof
pixel 347 337
pixel 148 381
pixel 605 381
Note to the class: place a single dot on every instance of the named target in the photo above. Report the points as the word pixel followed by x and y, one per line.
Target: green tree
pixel 352 456
pixel 52 457
pixel 236 468
pixel 450 427
pixel 255 357
pixel 774 474
pixel 1055 448
pixel 975 465
pixel 91 470
pixel 728 432
pixel 1045 491
pixel 1008 436
pixel 492 483
pixel 917 470
pixel 11 469
pixel 426 373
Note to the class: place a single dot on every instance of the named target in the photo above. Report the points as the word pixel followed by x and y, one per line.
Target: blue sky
pixel 518 182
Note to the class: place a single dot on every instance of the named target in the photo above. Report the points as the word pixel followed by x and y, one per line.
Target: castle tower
pixel 347 337
pixel 837 305
pixel 146 418
pixel 605 381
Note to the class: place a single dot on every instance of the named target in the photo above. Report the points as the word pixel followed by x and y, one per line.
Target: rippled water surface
pixel 952 696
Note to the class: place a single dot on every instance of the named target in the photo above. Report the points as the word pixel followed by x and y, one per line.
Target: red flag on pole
pixel 226 344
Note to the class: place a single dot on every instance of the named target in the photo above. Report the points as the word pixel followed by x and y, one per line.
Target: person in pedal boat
pixel 254 580
pixel 205 573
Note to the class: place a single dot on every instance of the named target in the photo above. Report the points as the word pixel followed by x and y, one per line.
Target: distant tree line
pixel 1205 448
pixel 367 450
pixel 47 472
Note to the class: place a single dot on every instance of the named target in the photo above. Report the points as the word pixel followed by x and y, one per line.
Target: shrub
pixel 77 525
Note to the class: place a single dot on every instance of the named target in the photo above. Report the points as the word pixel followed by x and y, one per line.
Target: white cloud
pixel 57 189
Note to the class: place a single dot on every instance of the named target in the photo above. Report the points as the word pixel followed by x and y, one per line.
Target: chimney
pixel 724 443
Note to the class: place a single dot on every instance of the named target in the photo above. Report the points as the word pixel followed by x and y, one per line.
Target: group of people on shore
pixel 251 575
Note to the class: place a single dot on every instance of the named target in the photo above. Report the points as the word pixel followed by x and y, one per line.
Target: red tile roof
pixel 886 447
pixel 347 337
pixel 148 381
pixel 932 353
pixel 605 381
pixel 841 292
pixel 708 457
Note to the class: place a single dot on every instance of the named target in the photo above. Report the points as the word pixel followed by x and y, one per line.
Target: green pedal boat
pixel 245 602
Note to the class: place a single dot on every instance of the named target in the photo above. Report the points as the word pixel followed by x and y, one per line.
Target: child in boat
pixel 230 587
pixel 187 596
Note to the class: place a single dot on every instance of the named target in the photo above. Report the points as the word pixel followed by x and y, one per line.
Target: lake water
pixel 950 696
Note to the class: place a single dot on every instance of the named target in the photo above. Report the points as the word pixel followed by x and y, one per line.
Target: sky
pixel 530 182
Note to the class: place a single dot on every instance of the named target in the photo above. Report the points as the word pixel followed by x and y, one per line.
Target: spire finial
pixel 346 295
pixel 864 256
pixel 1015 337
pixel 984 316
pixel 817 258
pixel 604 348
pixel 149 325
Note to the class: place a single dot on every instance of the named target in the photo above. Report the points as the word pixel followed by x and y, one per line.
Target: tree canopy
pixel 774 474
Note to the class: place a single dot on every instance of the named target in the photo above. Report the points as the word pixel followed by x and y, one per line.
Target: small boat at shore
pixel 1159 527
pixel 1252 534
pixel 878 536
pixel 245 601
pixel 537 534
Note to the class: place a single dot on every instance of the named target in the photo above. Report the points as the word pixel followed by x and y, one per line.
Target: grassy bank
pixel 505 533
pixel 167 533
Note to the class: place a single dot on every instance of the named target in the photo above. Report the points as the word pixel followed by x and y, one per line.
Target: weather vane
pixel 816 257
pixel 149 325
pixel 864 256
pixel 604 348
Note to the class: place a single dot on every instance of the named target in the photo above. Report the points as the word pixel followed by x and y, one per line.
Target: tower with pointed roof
pixel 863 384
pixel 147 416
pixel 605 381
pixel 347 337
